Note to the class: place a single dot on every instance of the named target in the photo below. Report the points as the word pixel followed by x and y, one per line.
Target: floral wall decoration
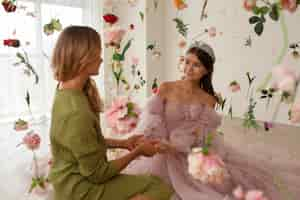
pixel 280 85
pixel 39 184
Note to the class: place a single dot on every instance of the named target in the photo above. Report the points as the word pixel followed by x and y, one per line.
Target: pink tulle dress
pixel 178 125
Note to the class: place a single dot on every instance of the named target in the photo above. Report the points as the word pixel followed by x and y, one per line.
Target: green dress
pixel 80 167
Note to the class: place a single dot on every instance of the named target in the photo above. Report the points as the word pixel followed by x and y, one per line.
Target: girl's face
pixel 194 70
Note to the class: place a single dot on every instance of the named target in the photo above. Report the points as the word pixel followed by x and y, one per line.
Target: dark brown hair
pixel 208 62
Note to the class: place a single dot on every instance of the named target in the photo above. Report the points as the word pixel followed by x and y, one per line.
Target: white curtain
pixel 13 82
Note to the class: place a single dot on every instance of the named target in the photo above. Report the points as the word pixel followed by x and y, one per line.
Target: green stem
pixel 282 53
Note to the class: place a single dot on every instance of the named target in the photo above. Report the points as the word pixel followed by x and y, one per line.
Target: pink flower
pixel 108 3
pixel 234 86
pixel 32 141
pixel 287 85
pixel 295 113
pixel 285 78
pixel 182 44
pixel 114 35
pixel 123 115
pixel 255 195
pixel 281 72
pixel 206 168
pixel 238 193
pixel 135 61
pixel 212 32
pixel 289 5
pixel 249 4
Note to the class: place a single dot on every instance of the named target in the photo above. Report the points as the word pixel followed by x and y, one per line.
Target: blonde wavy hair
pixel 74 50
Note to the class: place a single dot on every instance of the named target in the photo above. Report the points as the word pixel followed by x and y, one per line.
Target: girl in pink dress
pixel 180 116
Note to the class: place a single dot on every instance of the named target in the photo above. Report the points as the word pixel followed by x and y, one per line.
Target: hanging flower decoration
pixel 249 116
pixel 31 140
pixel 181 27
pixel 9 5
pixel 23 59
pixel 113 36
pixel 53 26
pixel 180 4
pixel 289 5
pixel 267 9
pixel 123 115
pixel 286 82
pixel 155 51
pixel 234 86
pixel 12 43
pixel 249 5
pixel 135 72
pixel 20 125
pixel 131 27
pixel 212 31
pixel 154 86
pixel 182 43
pixel 295 49
pixel 110 18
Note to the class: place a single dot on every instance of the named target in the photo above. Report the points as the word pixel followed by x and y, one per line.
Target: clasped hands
pixel 146 146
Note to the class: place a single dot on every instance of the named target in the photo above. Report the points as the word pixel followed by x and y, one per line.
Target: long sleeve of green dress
pixel 80 169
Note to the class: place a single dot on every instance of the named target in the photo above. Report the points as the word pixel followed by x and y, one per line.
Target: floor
pixel 280 146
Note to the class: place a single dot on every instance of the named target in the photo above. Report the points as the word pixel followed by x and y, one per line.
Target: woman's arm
pixel 146 148
pixel 129 143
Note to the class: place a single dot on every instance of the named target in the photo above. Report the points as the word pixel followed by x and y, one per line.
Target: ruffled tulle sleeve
pixel 152 123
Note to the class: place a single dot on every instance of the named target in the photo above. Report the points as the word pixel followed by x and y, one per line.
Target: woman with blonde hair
pixel 80 167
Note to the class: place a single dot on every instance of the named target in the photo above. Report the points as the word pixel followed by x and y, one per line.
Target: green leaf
pixel 259 28
pixel 264 10
pixel 117 57
pixel 274 14
pixel 181 27
pixel 298 1
pixel 209 139
pixel 141 15
pixel 150 47
pixel 205 150
pixel 127 46
pixel 27 98
pixel 256 10
pixel 254 19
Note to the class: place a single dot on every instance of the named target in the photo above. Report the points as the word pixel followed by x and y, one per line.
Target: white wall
pixel 233 58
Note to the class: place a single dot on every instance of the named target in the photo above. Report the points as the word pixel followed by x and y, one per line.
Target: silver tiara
pixel 204 47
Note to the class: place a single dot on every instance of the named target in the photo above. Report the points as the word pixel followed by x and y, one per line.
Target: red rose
pixel 110 18
pixel 155 90
pixel 11 43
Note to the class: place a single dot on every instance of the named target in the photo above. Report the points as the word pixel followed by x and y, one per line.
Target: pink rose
pixel 255 195
pixel 289 5
pixel 114 35
pixel 234 86
pixel 249 4
pixel 295 113
pixel 182 44
pixel 32 141
pixel 135 61
pixel 212 32
pixel 238 193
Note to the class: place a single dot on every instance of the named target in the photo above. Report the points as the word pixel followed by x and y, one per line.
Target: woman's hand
pixel 163 147
pixel 132 142
pixel 147 148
